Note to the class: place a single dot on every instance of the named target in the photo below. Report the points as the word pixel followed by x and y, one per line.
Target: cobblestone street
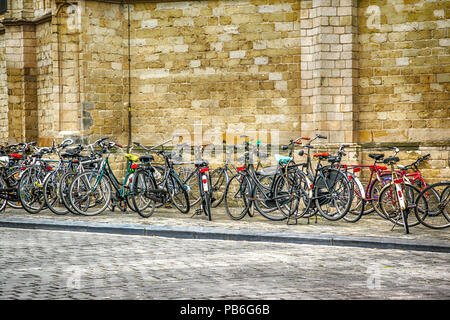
pixel 37 264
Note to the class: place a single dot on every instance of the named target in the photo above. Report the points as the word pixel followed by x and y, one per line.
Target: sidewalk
pixel 371 231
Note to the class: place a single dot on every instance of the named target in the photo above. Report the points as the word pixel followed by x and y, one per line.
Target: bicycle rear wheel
pixel 237 196
pixel 2 200
pixel 433 206
pixel 140 193
pixel 358 203
pixel 52 194
pixel 178 194
pixel 219 181
pixel 30 190
pixel 333 194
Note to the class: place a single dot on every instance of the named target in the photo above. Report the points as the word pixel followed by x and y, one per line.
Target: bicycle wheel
pixel 433 206
pixel 219 181
pixel 333 194
pixel 192 184
pixel 12 181
pixel 52 193
pixel 90 193
pixel 206 204
pixel 178 194
pixel 237 196
pixel 3 201
pixel 264 197
pixel 374 193
pixel 390 206
pixel 140 193
pixel 291 195
pixel 65 183
pixel 31 191
pixel 358 203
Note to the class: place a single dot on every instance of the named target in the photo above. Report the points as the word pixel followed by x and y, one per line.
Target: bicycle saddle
pixel 376 156
pixel 391 159
pixel 147 158
pixel 322 155
pixel 201 163
pixel 333 159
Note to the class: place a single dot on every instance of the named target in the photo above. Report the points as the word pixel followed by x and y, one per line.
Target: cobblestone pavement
pixel 38 264
pixel 369 226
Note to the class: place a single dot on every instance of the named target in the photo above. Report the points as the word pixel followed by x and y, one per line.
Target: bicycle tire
pixel 439 217
pixel 13 182
pixel 325 194
pixel 66 180
pixel 178 193
pixel 264 199
pixel 30 191
pixel 50 190
pixel 3 202
pixel 206 203
pixel 374 193
pixel 358 203
pixel 218 185
pixel 238 191
pixel 80 190
pixel 143 189
pixel 393 214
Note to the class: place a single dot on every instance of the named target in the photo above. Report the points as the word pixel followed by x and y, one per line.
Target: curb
pixel 212 233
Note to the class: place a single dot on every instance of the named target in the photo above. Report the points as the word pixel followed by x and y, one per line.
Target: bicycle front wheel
pixel 391 208
pixel 433 206
pixel 90 193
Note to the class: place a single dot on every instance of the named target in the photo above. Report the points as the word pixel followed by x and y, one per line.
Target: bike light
pixel 48 168
pixel 240 169
pixel 204 170
pixel 350 178
pixel 134 166
pixel 400 194
pixel 398 181
pixel 204 180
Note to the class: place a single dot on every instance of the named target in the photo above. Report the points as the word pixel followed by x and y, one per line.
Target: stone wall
pixel 404 84
pixel 228 66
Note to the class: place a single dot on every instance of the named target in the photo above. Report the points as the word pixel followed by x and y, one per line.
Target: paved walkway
pixel 370 231
pixel 42 264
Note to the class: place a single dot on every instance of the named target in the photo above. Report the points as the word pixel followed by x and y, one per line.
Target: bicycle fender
pixel 360 187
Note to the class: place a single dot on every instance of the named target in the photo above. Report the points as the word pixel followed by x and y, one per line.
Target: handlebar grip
pixel 119 145
pixel 321 136
pixel 305 138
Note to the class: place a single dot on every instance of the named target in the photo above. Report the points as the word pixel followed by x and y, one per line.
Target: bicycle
pixel 246 188
pixel 146 189
pixel 329 190
pixel 397 198
pixel 92 189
